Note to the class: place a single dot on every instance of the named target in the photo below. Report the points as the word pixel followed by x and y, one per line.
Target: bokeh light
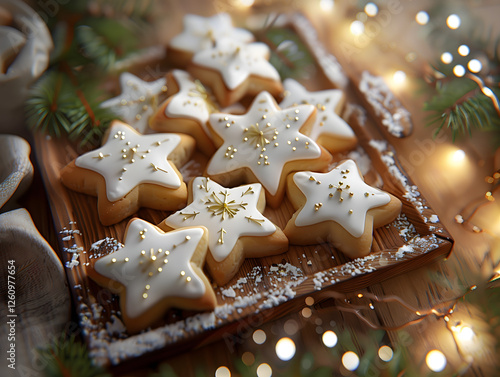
pixel 264 370
pixel 459 70
pixel 222 372
pixel 475 65
pixel 385 353
pixel 446 57
pixel 422 18
pixel 436 361
pixel 357 27
pixel 285 349
pixel 371 9
pixel 350 361
pixel 329 338
pixel 259 336
pixel 463 50
pixel 453 21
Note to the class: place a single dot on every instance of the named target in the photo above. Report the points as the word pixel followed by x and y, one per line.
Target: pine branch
pixel 65 356
pixel 59 106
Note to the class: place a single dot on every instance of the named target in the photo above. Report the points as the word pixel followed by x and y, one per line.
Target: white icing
pixel 385 104
pixel 264 154
pixel 200 33
pixel 323 192
pixel 227 213
pixel 326 101
pixel 123 168
pixel 140 273
pixel 137 101
pixel 191 101
pixel 237 61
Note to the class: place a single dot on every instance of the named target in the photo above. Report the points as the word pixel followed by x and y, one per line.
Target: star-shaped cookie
pixel 186 110
pixel 130 171
pixel 234 70
pixel 137 101
pixel 329 129
pixel 201 33
pixel 264 145
pixel 236 227
pixel 338 207
pixel 156 271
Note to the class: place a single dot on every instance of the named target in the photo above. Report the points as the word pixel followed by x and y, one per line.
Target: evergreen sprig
pixel 89 42
pixel 66 356
pixel 460 106
pixel 57 107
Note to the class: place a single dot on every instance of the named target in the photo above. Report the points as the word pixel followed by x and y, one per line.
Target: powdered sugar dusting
pixel 394 116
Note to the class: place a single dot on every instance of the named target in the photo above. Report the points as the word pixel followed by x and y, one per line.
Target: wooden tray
pixel 265 288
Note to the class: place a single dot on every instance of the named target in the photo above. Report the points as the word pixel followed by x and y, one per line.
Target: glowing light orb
pixel 371 9
pixel 264 370
pixel 435 360
pixel 463 50
pixel 453 21
pixel 285 349
pixel 422 18
pixel 329 339
pixel 247 3
pixel 259 336
pixel 446 57
pixel 399 77
pixel 474 66
pixel 385 353
pixel 326 5
pixel 459 70
pixel 357 27
pixel 350 361
pixel 222 372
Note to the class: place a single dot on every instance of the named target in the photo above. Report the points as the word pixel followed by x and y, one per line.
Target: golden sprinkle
pixel 165 261
pixel 144 295
pixel 113 260
pixel 150 274
pixel 367 194
pixel 143 252
pixel 330 195
pixel 188 238
pixel 148 286
pixel 160 269
pixel 350 212
pixel 188 279
pixel 183 273
pixel 294 148
pixel 126 259
pixel 351 194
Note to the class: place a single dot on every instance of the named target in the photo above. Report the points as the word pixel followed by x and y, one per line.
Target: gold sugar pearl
pixel 126 259
pixel 350 212
pixel 188 279
pixel 148 286
pixel 144 295
pixel 113 260
pixel 183 273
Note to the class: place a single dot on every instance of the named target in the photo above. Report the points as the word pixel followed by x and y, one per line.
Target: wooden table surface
pixel 449 186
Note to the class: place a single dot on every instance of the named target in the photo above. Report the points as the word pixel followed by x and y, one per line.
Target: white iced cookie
pixel 130 171
pixel 329 129
pixel 186 110
pixel 234 70
pixel 264 145
pixel 338 207
pixel 138 100
pixel 201 33
pixel 156 271
pixel 236 227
